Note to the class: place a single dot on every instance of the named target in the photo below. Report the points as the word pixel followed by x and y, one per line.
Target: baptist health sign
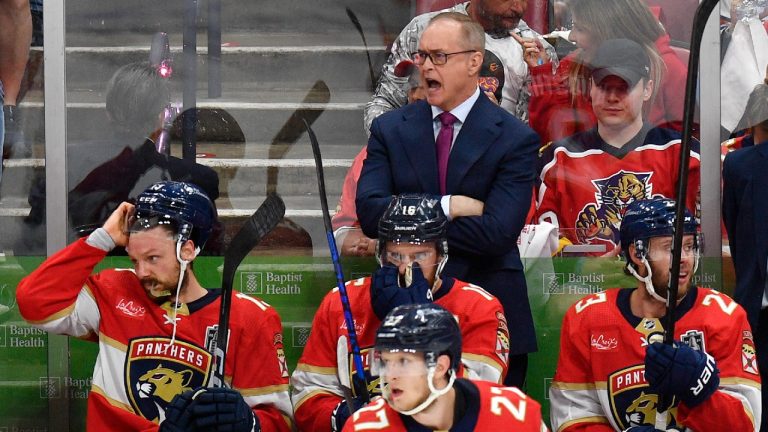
pixel 572 283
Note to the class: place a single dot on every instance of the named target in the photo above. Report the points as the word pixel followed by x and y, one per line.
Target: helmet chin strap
pixel 647 280
pixel 433 392
pixel 439 270
pixel 182 271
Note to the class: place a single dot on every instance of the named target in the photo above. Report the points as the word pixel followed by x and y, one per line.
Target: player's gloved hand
pixel 341 413
pixel 178 415
pixel 689 374
pixel 386 293
pixel 221 409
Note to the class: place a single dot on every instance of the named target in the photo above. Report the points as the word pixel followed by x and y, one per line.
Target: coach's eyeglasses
pixel 438 58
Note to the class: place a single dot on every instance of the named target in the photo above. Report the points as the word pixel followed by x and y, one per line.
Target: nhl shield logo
pixel 156 371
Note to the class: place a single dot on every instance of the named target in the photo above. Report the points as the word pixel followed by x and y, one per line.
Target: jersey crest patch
pixel 748 358
pixel 631 402
pixel 601 219
pixel 604 341
pixel 502 338
pixel 278 342
pixel 156 371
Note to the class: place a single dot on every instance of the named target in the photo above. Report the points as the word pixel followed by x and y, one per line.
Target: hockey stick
pixel 699 22
pixel 356 23
pixel 348 319
pixel 255 228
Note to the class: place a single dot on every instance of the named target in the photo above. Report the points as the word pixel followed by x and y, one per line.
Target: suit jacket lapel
pixel 418 141
pixel 476 135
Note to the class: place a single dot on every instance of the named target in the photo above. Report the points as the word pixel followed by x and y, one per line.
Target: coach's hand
pixel 223 410
pixel 386 293
pixel 178 416
pixel 681 371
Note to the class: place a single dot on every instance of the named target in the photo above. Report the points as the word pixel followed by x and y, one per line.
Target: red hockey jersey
pixel 137 371
pixel 491 408
pixel 600 381
pixel 316 386
pixel 587 184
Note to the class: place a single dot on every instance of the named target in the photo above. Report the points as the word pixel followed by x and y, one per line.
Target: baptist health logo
pixel 271 283
pixel 571 283
pixel 300 335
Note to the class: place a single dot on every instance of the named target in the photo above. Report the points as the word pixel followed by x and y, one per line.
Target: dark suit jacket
pixel 493 159
pixel 745 206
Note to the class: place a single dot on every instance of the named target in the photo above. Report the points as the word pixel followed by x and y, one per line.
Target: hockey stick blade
pixel 261 222
pixel 293 128
pixel 348 319
pixel 359 27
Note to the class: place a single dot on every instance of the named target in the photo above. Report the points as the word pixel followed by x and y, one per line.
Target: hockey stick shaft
pixel 261 222
pixel 348 318
pixel 359 27
pixel 699 23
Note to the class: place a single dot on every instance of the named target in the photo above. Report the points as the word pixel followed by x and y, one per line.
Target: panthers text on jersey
pixel 316 386
pixel 138 371
pixel 600 381
pixel 489 407
pixel 587 184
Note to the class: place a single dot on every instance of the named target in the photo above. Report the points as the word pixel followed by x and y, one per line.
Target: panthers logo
pixel 632 404
pixel 156 371
pixel 163 383
pixel 601 219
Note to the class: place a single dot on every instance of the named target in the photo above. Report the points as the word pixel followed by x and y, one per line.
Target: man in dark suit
pixel 474 156
pixel 745 208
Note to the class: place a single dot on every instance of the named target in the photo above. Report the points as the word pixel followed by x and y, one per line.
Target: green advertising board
pixel 294 286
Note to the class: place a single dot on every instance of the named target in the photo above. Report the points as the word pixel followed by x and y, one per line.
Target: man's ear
pixel 443 366
pixel 647 90
pixel 475 62
pixel 188 251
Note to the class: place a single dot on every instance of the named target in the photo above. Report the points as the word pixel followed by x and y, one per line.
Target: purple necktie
pixel 443 146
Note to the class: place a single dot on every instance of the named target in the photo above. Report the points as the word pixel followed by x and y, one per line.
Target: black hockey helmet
pixel 645 219
pixel 415 219
pixel 182 206
pixel 427 327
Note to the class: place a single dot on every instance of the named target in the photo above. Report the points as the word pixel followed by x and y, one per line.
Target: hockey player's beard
pixel 161 291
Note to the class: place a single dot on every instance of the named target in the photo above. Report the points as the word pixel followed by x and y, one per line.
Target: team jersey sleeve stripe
pixel 114 402
pixel 480 367
pixel 261 391
pixel 576 386
pixel 574 406
pixel 303 367
pixel 79 319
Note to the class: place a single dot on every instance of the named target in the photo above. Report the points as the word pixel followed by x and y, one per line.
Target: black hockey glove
pixel 386 293
pixel 690 375
pixel 341 413
pixel 643 428
pixel 178 415
pixel 223 410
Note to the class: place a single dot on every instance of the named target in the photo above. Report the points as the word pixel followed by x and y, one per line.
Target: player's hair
pixel 617 19
pixel 136 94
pixel 473 35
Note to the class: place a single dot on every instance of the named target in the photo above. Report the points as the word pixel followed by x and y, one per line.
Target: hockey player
pixel 417 357
pixel 156 325
pixel 612 367
pixel 588 179
pixel 412 252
